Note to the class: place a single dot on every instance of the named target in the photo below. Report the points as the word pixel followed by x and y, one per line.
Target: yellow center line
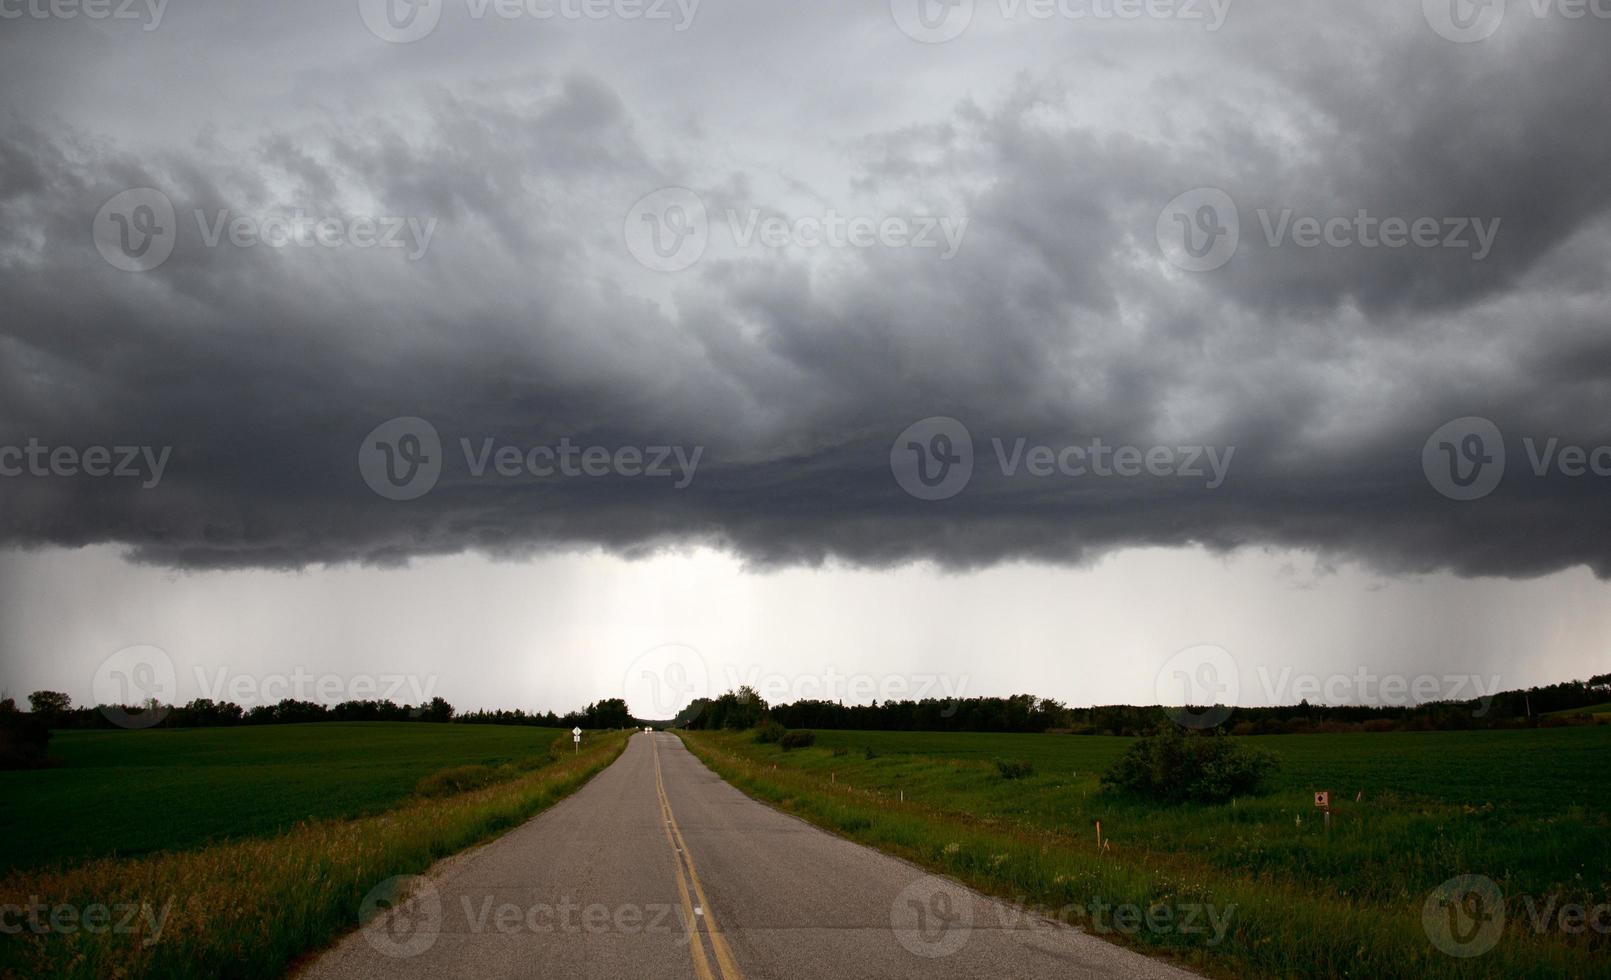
pixel 685 862
pixel 696 949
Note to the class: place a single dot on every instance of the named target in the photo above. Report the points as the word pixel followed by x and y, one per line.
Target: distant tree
pixel 609 713
pixel 205 713
pixel 437 710
pixel 50 704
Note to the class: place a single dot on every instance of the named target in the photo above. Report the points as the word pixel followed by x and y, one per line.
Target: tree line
pixel 1534 706
pixel 58 711
pixel 25 735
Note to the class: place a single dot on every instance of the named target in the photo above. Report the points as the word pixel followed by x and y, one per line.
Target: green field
pixel 280 886
pixel 1529 809
pixel 132 792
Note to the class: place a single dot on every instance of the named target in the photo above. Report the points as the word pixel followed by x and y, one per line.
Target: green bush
pixel 446 782
pixel 1014 770
pixel 23 740
pixel 768 731
pixel 798 739
pixel 1174 767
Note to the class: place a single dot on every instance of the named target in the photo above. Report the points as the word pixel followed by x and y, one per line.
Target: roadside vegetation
pixel 1017 815
pixel 247 909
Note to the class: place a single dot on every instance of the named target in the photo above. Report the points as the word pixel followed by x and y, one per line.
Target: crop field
pixel 124 793
pixel 1527 809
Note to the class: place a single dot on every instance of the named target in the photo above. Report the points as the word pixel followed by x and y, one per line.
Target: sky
pixel 547 351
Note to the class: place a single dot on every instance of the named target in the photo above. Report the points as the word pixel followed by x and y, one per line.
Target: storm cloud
pixel 1317 372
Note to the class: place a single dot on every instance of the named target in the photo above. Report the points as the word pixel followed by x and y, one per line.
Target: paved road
pixel 603 884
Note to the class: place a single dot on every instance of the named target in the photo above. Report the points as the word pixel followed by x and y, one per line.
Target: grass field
pixel 133 792
pixel 1528 809
pixel 250 906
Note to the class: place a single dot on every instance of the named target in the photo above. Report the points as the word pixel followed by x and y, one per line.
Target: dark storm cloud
pixel 1057 322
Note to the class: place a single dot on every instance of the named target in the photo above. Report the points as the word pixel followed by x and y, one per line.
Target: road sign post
pixel 576 739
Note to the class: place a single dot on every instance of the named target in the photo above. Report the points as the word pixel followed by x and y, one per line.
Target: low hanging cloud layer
pixel 472 257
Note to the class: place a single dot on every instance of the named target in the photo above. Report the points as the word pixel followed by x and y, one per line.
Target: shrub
pixel 798 739
pixel 1175 767
pixel 869 753
pixel 768 731
pixel 1014 770
pixel 446 782
pixel 23 739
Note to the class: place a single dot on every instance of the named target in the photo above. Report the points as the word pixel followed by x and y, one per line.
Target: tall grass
pixel 960 817
pixel 249 909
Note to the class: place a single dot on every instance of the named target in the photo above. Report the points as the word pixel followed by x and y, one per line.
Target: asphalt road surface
pixel 603 885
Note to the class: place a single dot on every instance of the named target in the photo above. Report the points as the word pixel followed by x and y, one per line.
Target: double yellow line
pixel 686 877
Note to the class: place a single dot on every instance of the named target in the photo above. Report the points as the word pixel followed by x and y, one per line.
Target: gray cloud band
pixel 1325 367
